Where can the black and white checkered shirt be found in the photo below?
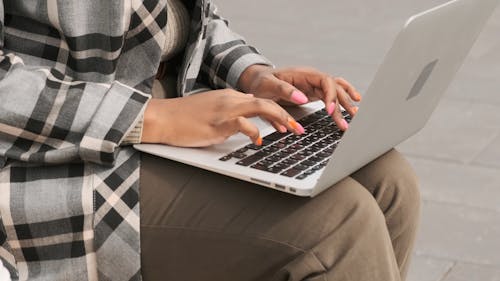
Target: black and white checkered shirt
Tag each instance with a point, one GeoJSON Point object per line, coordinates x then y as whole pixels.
{"type": "Point", "coordinates": [75, 77]}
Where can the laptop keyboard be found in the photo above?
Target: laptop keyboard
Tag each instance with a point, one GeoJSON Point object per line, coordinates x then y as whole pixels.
{"type": "Point", "coordinates": [291, 155]}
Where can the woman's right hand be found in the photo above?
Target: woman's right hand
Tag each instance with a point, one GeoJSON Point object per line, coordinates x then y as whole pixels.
{"type": "Point", "coordinates": [210, 118]}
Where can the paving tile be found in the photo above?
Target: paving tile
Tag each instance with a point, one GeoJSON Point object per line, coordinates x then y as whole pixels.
{"type": "Point", "coordinates": [459, 184]}
{"type": "Point", "coordinates": [459, 233]}
{"type": "Point", "coordinates": [428, 269]}
{"type": "Point", "coordinates": [471, 272]}
{"type": "Point", "coordinates": [458, 130]}
{"type": "Point", "coordinates": [475, 87]}
{"type": "Point", "coordinates": [478, 78]}
{"type": "Point", "coordinates": [490, 156]}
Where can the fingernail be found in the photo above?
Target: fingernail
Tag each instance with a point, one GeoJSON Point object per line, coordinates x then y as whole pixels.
{"type": "Point", "coordinates": [300, 129]}
{"type": "Point", "coordinates": [358, 97]}
{"type": "Point", "coordinates": [355, 109]}
{"type": "Point", "coordinates": [296, 126]}
{"type": "Point", "coordinates": [282, 129]}
{"type": "Point", "coordinates": [345, 124]}
{"type": "Point", "coordinates": [258, 141]}
{"type": "Point", "coordinates": [298, 97]}
{"type": "Point", "coordinates": [331, 108]}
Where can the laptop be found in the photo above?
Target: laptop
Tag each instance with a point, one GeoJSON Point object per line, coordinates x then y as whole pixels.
{"type": "Point", "coordinates": [416, 72]}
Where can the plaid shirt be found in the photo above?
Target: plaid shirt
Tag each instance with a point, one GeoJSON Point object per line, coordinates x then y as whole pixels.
{"type": "Point", "coordinates": [75, 77]}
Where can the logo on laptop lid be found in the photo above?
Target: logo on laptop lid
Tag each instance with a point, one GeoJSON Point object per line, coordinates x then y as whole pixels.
{"type": "Point", "coordinates": [422, 79]}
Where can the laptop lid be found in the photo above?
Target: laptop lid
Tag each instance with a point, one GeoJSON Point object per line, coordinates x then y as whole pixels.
{"type": "Point", "coordinates": [409, 84]}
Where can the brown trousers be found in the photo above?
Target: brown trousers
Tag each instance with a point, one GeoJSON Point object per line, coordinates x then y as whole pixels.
{"type": "Point", "coordinates": [197, 225]}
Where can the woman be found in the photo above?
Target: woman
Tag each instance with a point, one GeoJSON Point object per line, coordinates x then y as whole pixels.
{"type": "Point", "coordinates": [76, 85]}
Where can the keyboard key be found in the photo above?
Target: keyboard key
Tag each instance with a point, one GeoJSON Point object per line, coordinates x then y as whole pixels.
{"type": "Point", "coordinates": [252, 158]}
{"type": "Point", "coordinates": [325, 154]}
{"type": "Point", "coordinates": [308, 163]}
{"type": "Point", "coordinates": [290, 161]}
{"type": "Point", "coordinates": [286, 141]}
{"type": "Point", "coordinates": [316, 168]}
{"type": "Point", "coordinates": [280, 155]}
{"type": "Point", "coordinates": [306, 152]}
{"type": "Point", "coordinates": [310, 172]}
{"type": "Point", "coordinates": [274, 159]}
{"type": "Point", "coordinates": [275, 169]}
{"type": "Point", "coordinates": [298, 157]}
{"type": "Point", "coordinates": [238, 155]}
{"type": "Point", "coordinates": [296, 146]}
{"type": "Point", "coordinates": [270, 149]}
{"type": "Point", "coordinates": [304, 142]}
{"type": "Point", "coordinates": [279, 145]}
{"type": "Point", "coordinates": [315, 159]}
{"type": "Point", "coordinates": [226, 158]}
{"type": "Point", "coordinates": [288, 151]}
{"type": "Point", "coordinates": [301, 167]}
{"type": "Point", "coordinates": [275, 136]}
{"type": "Point", "coordinates": [302, 176]}
{"type": "Point", "coordinates": [266, 142]}
{"type": "Point", "coordinates": [291, 172]}
{"type": "Point", "coordinates": [259, 167]}
{"type": "Point", "coordinates": [329, 151]}
{"type": "Point", "coordinates": [265, 162]}
{"type": "Point", "coordinates": [253, 147]}
{"type": "Point", "coordinates": [282, 164]}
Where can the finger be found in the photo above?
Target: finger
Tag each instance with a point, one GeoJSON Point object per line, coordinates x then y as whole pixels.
{"type": "Point", "coordinates": [269, 110]}
{"type": "Point", "coordinates": [243, 125]}
{"type": "Point", "coordinates": [331, 107]}
{"type": "Point", "coordinates": [345, 101]}
{"type": "Point", "coordinates": [329, 92]}
{"type": "Point", "coordinates": [288, 92]}
{"type": "Point", "coordinates": [318, 80]}
{"type": "Point", "coordinates": [349, 88]}
{"type": "Point", "coordinates": [338, 118]}
{"type": "Point", "coordinates": [278, 127]}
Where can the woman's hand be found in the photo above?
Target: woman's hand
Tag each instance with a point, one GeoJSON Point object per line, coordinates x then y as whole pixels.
{"type": "Point", "coordinates": [299, 86]}
{"type": "Point", "coordinates": [210, 118]}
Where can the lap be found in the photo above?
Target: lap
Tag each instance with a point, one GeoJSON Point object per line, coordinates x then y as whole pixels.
{"type": "Point", "coordinates": [175, 195]}
{"type": "Point", "coordinates": [191, 216]}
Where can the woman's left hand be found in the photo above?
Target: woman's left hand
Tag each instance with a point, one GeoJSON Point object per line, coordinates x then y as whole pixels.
{"type": "Point", "coordinates": [301, 85]}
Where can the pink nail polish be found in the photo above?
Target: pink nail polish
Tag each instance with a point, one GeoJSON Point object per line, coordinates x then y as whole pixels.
{"type": "Point", "coordinates": [298, 97]}
{"type": "Point", "coordinates": [282, 129]}
{"type": "Point", "coordinates": [331, 108]}
{"type": "Point", "coordinates": [300, 129]}
{"type": "Point", "coordinates": [345, 124]}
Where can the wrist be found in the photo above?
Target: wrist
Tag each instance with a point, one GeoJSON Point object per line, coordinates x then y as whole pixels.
{"type": "Point", "coordinates": [249, 76]}
{"type": "Point", "coordinates": [150, 132]}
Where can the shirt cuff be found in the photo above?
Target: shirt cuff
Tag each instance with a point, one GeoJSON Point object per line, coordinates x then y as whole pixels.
{"type": "Point", "coordinates": [135, 136]}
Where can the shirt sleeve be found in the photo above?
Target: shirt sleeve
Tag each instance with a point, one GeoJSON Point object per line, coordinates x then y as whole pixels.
{"type": "Point", "coordinates": [135, 136]}
{"type": "Point", "coordinates": [227, 54]}
{"type": "Point", "coordinates": [49, 118]}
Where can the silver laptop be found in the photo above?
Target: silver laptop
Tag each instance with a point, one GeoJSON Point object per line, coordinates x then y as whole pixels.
{"type": "Point", "coordinates": [407, 88]}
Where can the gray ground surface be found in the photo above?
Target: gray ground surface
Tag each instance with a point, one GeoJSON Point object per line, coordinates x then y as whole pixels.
{"type": "Point", "coordinates": [457, 155]}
